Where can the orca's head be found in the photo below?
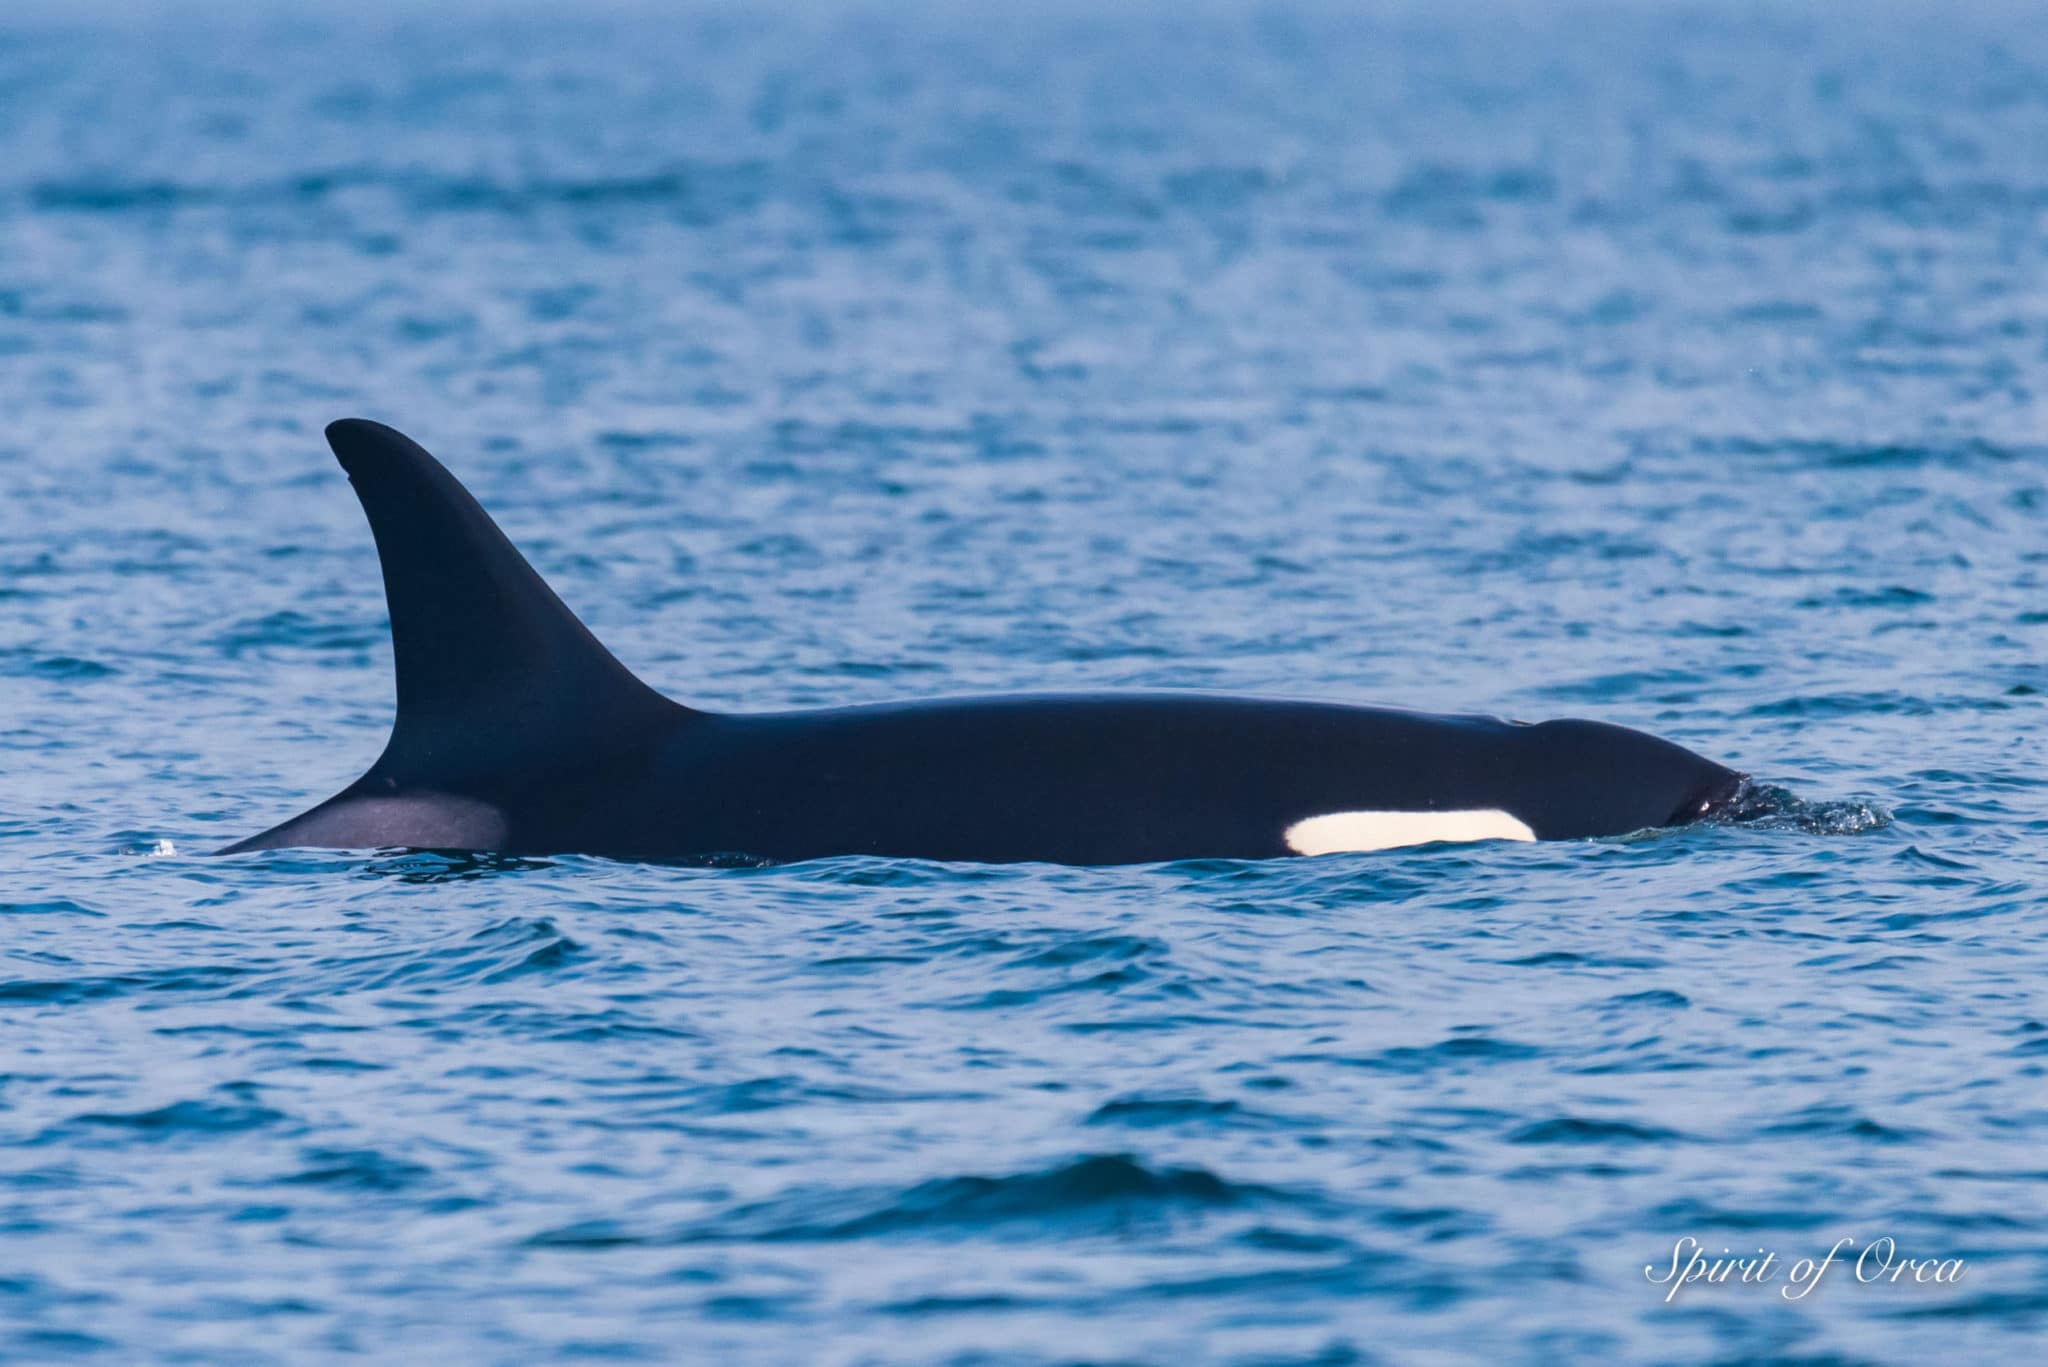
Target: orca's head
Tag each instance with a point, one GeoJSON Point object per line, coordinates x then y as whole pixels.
{"type": "Point", "coordinates": [1591, 778]}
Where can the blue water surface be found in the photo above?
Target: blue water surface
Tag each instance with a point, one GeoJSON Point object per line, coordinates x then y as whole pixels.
{"type": "Point", "coordinates": [1676, 366]}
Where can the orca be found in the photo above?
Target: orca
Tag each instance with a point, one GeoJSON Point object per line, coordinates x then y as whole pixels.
{"type": "Point", "coordinates": [518, 733]}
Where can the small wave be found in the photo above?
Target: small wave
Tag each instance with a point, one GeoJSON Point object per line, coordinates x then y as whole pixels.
{"type": "Point", "coordinates": [1456, 1053]}
{"type": "Point", "coordinates": [699, 192]}
{"type": "Point", "coordinates": [505, 951]}
{"type": "Point", "coordinates": [186, 1117]}
{"type": "Point", "coordinates": [1833, 1120]}
{"type": "Point", "coordinates": [1591, 1130]}
{"type": "Point", "coordinates": [1827, 706]}
{"type": "Point", "coordinates": [206, 978]}
{"type": "Point", "coordinates": [2020, 1306]}
{"type": "Point", "coordinates": [1691, 1212]}
{"type": "Point", "coordinates": [1150, 1112]}
{"type": "Point", "coordinates": [70, 667]}
{"type": "Point", "coordinates": [1845, 455]}
{"type": "Point", "coordinates": [1082, 949]}
{"type": "Point", "coordinates": [1098, 1190]}
{"type": "Point", "coordinates": [1769, 807]}
{"type": "Point", "coordinates": [587, 1234]}
{"type": "Point", "coordinates": [291, 630]}
{"type": "Point", "coordinates": [1867, 596]}
{"type": "Point", "coordinates": [56, 906]}
{"type": "Point", "coordinates": [357, 1170]}
{"type": "Point", "coordinates": [1656, 998]}
{"type": "Point", "coordinates": [94, 196]}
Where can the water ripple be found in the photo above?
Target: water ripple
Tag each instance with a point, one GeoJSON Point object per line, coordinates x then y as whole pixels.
{"type": "Point", "coordinates": [1677, 368]}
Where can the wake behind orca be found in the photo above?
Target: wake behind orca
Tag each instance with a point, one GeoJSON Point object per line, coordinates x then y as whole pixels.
{"type": "Point", "coordinates": [518, 733]}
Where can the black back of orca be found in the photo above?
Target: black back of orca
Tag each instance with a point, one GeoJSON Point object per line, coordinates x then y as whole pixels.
{"type": "Point", "coordinates": [517, 731]}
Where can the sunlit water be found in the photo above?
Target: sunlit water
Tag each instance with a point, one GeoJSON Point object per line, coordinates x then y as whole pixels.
{"type": "Point", "coordinates": [1674, 368]}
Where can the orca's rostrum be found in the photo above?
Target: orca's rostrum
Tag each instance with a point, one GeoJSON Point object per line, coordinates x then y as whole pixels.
{"type": "Point", "coordinates": [518, 732]}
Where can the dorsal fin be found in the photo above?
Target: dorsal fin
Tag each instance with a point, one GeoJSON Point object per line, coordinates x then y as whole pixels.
{"type": "Point", "coordinates": [489, 660]}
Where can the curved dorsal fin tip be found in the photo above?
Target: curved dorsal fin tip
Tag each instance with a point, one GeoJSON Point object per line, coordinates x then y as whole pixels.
{"type": "Point", "coordinates": [355, 441]}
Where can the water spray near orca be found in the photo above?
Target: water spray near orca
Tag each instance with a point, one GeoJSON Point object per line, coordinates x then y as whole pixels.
{"type": "Point", "coordinates": [517, 732]}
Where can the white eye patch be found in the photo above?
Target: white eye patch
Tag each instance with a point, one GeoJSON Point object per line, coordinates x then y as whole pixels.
{"type": "Point", "coordinates": [1351, 832]}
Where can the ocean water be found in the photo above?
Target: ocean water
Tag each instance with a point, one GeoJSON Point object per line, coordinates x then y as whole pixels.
{"type": "Point", "coordinates": [1675, 366]}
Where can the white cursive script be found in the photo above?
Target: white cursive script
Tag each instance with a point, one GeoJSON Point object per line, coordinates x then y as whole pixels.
{"type": "Point", "coordinates": [1878, 1261]}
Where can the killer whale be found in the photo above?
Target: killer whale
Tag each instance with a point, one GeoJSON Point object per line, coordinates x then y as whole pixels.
{"type": "Point", "coordinates": [517, 732]}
